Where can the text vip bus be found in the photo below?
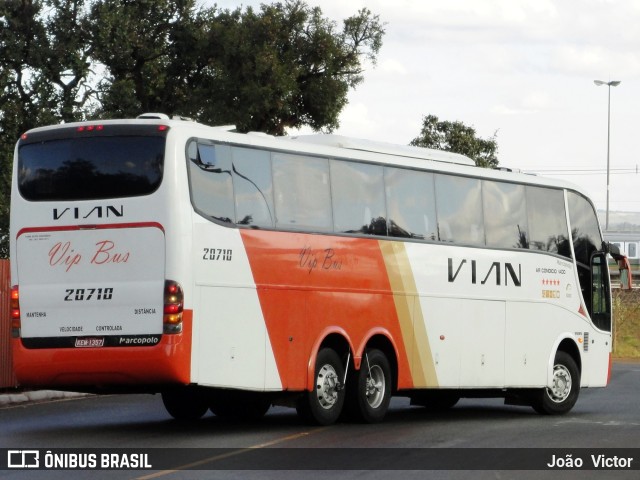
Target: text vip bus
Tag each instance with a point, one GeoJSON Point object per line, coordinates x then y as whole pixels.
{"type": "Point", "coordinates": [232, 271]}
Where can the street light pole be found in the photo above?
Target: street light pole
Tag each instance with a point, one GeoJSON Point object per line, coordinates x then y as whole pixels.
{"type": "Point", "coordinates": [613, 83]}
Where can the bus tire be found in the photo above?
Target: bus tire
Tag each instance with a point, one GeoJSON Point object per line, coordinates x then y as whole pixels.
{"type": "Point", "coordinates": [368, 400]}
{"type": "Point", "coordinates": [240, 405]}
{"type": "Point", "coordinates": [185, 404]}
{"type": "Point", "coordinates": [563, 394]}
{"type": "Point", "coordinates": [436, 401]}
{"type": "Point", "coordinates": [323, 404]}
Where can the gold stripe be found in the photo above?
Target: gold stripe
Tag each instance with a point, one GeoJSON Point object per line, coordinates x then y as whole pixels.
{"type": "Point", "coordinates": [409, 311]}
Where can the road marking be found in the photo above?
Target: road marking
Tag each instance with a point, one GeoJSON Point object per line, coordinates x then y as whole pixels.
{"type": "Point", "coordinates": [234, 453]}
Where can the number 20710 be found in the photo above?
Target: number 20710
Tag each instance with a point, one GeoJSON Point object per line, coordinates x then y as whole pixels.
{"type": "Point", "coordinates": [84, 294]}
{"type": "Point", "coordinates": [220, 254]}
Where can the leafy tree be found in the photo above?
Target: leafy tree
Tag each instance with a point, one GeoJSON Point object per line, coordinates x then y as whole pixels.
{"type": "Point", "coordinates": [67, 58]}
{"type": "Point", "coordinates": [44, 60]}
{"type": "Point", "coordinates": [44, 66]}
{"type": "Point", "coordinates": [287, 66]}
{"type": "Point", "coordinates": [283, 66]}
{"type": "Point", "coordinates": [145, 48]}
{"type": "Point", "coordinates": [459, 138]}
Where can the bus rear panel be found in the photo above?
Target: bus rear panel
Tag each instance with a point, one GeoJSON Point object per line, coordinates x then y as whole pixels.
{"type": "Point", "coordinates": [93, 306]}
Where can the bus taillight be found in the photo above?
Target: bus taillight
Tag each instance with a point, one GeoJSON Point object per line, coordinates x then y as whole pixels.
{"type": "Point", "coordinates": [15, 311]}
{"type": "Point", "coordinates": [90, 128]}
{"type": "Point", "coordinates": [173, 306]}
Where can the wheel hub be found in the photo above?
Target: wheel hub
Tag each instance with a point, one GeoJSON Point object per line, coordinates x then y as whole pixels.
{"type": "Point", "coordinates": [561, 384]}
{"type": "Point", "coordinates": [374, 388]}
{"type": "Point", "coordinates": [327, 386]}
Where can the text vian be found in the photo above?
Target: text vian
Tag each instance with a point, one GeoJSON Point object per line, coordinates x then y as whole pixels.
{"type": "Point", "coordinates": [100, 211]}
{"type": "Point", "coordinates": [496, 272]}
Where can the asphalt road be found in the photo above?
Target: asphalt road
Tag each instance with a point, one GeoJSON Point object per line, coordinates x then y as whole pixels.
{"type": "Point", "coordinates": [602, 419]}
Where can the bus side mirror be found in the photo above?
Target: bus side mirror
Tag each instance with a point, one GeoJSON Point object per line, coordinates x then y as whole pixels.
{"type": "Point", "coordinates": [625, 273]}
{"type": "Point", "coordinates": [612, 249]}
{"type": "Point", "coordinates": [626, 281]}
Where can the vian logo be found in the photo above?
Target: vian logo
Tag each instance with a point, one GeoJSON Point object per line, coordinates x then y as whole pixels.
{"type": "Point", "coordinates": [101, 211]}
{"type": "Point", "coordinates": [495, 270]}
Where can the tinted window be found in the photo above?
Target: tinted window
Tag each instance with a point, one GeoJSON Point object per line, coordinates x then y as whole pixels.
{"type": "Point", "coordinates": [459, 206]}
{"type": "Point", "coordinates": [505, 214]}
{"type": "Point", "coordinates": [584, 228]}
{"type": "Point", "coordinates": [301, 192]}
{"type": "Point", "coordinates": [358, 198]}
{"type": "Point", "coordinates": [632, 250]}
{"type": "Point", "coordinates": [547, 221]}
{"type": "Point", "coordinates": [211, 180]}
{"type": "Point", "coordinates": [411, 204]}
{"type": "Point", "coordinates": [90, 168]}
{"type": "Point", "coordinates": [253, 187]}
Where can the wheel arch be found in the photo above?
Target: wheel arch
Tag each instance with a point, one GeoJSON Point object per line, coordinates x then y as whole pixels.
{"type": "Point", "coordinates": [381, 340]}
{"type": "Point", "coordinates": [568, 345]}
{"type": "Point", "coordinates": [334, 338]}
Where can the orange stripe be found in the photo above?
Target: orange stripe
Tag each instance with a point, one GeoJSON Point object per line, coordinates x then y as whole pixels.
{"type": "Point", "coordinates": [309, 285]}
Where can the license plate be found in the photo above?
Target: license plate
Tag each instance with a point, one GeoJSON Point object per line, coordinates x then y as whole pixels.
{"type": "Point", "coordinates": [91, 342]}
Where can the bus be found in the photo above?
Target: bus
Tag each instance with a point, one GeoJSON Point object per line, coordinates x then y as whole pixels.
{"type": "Point", "coordinates": [231, 272]}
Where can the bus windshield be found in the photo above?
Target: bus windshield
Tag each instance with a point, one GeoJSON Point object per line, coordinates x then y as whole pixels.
{"type": "Point", "coordinates": [91, 167]}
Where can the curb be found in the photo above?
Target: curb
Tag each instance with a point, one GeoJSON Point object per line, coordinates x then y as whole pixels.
{"type": "Point", "coordinates": [12, 399]}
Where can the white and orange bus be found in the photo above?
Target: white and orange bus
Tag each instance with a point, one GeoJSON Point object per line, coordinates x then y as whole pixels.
{"type": "Point", "coordinates": [233, 271]}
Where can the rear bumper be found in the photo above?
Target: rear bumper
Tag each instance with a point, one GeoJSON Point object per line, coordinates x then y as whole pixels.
{"type": "Point", "coordinates": [107, 368]}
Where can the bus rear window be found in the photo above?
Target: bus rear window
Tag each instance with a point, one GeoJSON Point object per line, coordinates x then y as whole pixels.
{"type": "Point", "coordinates": [90, 168]}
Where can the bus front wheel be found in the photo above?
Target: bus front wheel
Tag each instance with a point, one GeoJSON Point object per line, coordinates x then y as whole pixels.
{"type": "Point", "coordinates": [324, 403]}
{"type": "Point", "coordinates": [562, 395]}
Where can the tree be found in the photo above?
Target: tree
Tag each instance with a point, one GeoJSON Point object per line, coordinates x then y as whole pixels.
{"type": "Point", "coordinates": [44, 67]}
{"type": "Point", "coordinates": [44, 60]}
{"type": "Point", "coordinates": [146, 48]}
{"type": "Point", "coordinates": [458, 138]}
{"type": "Point", "coordinates": [283, 66]}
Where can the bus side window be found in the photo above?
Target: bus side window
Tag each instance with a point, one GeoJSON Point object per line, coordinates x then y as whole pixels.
{"type": "Point", "coordinates": [410, 203]}
{"type": "Point", "coordinates": [358, 198]}
{"type": "Point", "coordinates": [548, 230]}
{"type": "Point", "coordinates": [302, 192]}
{"type": "Point", "coordinates": [505, 214]}
{"type": "Point", "coordinates": [459, 207]}
{"type": "Point", "coordinates": [211, 180]}
{"type": "Point", "coordinates": [253, 187]}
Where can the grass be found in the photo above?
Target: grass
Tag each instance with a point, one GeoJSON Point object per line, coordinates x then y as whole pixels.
{"type": "Point", "coordinates": [626, 318]}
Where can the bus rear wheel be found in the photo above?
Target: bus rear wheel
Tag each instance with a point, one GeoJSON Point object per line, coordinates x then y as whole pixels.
{"type": "Point", "coordinates": [562, 395]}
{"type": "Point", "coordinates": [435, 400]}
{"type": "Point", "coordinates": [185, 404]}
{"type": "Point", "coordinates": [368, 396]}
{"type": "Point", "coordinates": [323, 404]}
{"type": "Point", "coordinates": [239, 405]}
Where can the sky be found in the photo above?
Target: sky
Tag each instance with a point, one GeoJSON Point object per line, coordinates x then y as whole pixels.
{"type": "Point", "coordinates": [522, 68]}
